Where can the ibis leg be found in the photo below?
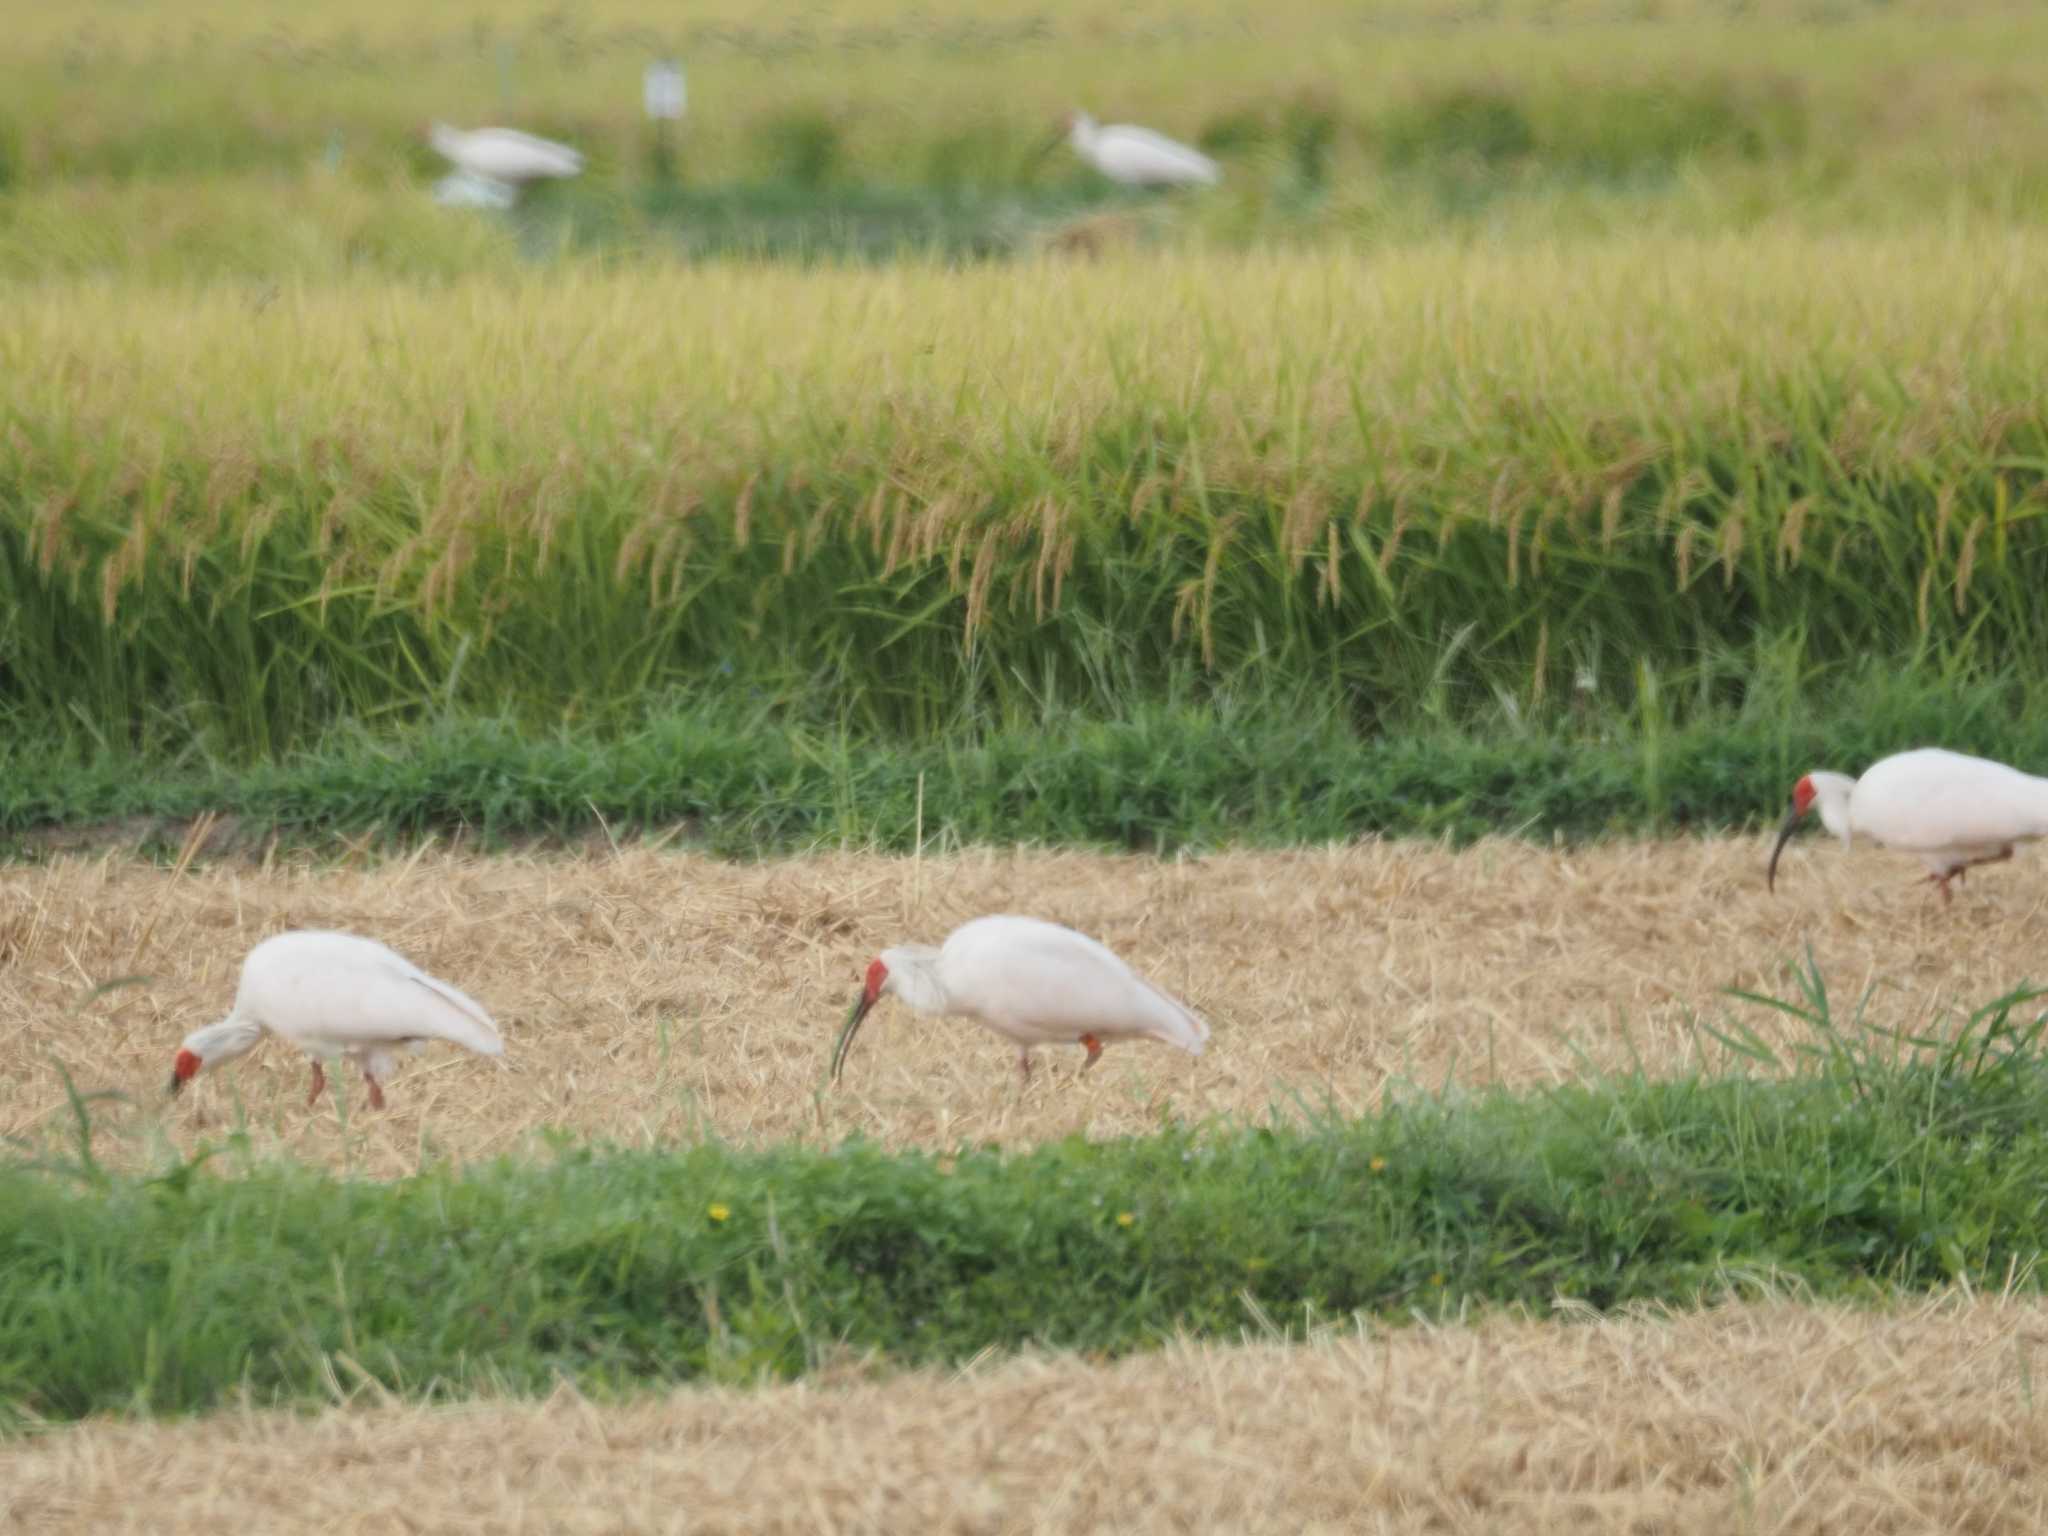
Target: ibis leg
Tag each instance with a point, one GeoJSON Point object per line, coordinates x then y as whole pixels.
{"type": "Point", "coordinates": [1024, 1064]}
{"type": "Point", "coordinates": [319, 1082]}
{"type": "Point", "coordinates": [1094, 1051]}
{"type": "Point", "coordinates": [376, 1091]}
{"type": "Point", "coordinates": [1961, 870]}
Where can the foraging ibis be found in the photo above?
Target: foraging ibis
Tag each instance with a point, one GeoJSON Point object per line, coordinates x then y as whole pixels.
{"type": "Point", "coordinates": [1035, 982]}
{"type": "Point", "coordinates": [1137, 157]}
{"type": "Point", "coordinates": [1950, 809]}
{"type": "Point", "coordinates": [502, 158]}
{"type": "Point", "coordinates": [332, 995]}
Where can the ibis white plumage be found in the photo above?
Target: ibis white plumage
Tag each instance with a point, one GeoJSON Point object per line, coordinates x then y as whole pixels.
{"type": "Point", "coordinates": [1034, 982]}
{"type": "Point", "coordinates": [1949, 809]}
{"type": "Point", "coordinates": [1138, 157]}
{"type": "Point", "coordinates": [338, 995]}
{"type": "Point", "coordinates": [503, 159]}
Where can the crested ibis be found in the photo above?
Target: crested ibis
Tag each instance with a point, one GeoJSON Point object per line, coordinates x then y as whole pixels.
{"type": "Point", "coordinates": [1034, 982]}
{"type": "Point", "coordinates": [1137, 157]}
{"type": "Point", "coordinates": [498, 158]}
{"type": "Point", "coordinates": [1950, 809]}
{"type": "Point", "coordinates": [334, 995]}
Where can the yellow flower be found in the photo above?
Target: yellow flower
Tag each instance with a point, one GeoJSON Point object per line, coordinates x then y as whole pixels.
{"type": "Point", "coordinates": [718, 1212]}
{"type": "Point", "coordinates": [1437, 1278]}
{"type": "Point", "coordinates": [1378, 1165]}
{"type": "Point", "coordinates": [1255, 1263]}
{"type": "Point", "coordinates": [1124, 1218]}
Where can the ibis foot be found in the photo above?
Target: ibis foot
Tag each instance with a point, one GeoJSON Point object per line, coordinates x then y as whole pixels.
{"type": "Point", "coordinates": [1942, 879]}
{"type": "Point", "coordinates": [319, 1082]}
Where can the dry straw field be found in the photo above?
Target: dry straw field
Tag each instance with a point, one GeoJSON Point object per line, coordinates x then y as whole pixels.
{"type": "Point", "coordinates": [1764, 1417]}
{"type": "Point", "coordinates": [648, 996]}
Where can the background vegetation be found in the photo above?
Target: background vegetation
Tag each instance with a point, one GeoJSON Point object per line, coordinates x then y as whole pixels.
{"type": "Point", "coordinates": [1380, 120]}
{"type": "Point", "coordinates": [1560, 372]}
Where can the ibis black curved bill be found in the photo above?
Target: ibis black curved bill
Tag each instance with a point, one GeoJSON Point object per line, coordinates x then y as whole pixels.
{"type": "Point", "coordinates": [177, 1082]}
{"type": "Point", "coordinates": [847, 1031]}
{"type": "Point", "coordinates": [1785, 830]}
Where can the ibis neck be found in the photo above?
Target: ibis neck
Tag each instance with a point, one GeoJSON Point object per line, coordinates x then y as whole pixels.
{"type": "Point", "coordinates": [1831, 792]}
{"type": "Point", "coordinates": [233, 1036]}
{"type": "Point", "coordinates": [914, 977]}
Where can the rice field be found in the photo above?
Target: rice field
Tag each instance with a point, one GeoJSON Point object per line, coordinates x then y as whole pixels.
{"type": "Point", "coordinates": [1566, 419]}
{"type": "Point", "coordinates": [1846, 103]}
{"type": "Point", "coordinates": [649, 999]}
{"type": "Point", "coordinates": [1431, 485]}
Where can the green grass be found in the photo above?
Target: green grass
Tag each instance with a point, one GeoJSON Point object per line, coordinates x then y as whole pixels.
{"type": "Point", "coordinates": [755, 779]}
{"type": "Point", "coordinates": [1860, 1166]}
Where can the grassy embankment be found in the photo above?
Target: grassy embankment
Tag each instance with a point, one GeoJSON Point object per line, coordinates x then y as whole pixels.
{"type": "Point", "coordinates": [1867, 1166]}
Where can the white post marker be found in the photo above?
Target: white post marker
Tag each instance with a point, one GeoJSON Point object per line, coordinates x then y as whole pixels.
{"type": "Point", "coordinates": [663, 92]}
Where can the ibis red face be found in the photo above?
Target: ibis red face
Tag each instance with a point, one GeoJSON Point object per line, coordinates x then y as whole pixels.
{"type": "Point", "coordinates": [184, 1069]}
{"type": "Point", "coordinates": [870, 993]}
{"type": "Point", "coordinates": [1802, 802]}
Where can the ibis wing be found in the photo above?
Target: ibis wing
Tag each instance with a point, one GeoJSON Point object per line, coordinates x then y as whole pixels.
{"type": "Point", "coordinates": [1050, 980]}
{"type": "Point", "coordinates": [1139, 154]}
{"type": "Point", "coordinates": [1932, 799]}
{"type": "Point", "coordinates": [391, 1004]}
{"type": "Point", "coordinates": [464, 1020]}
{"type": "Point", "coordinates": [341, 991]}
{"type": "Point", "coordinates": [511, 155]}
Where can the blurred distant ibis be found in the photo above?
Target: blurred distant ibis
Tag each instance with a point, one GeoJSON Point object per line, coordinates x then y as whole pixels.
{"type": "Point", "coordinates": [1137, 157]}
{"type": "Point", "coordinates": [498, 158]}
{"type": "Point", "coordinates": [1033, 982]}
{"type": "Point", "coordinates": [334, 995]}
{"type": "Point", "coordinates": [1949, 809]}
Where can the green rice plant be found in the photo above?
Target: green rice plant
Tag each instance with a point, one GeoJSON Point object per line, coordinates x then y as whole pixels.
{"type": "Point", "coordinates": [1437, 484]}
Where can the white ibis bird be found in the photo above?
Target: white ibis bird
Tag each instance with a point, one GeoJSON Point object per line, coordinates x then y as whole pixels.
{"type": "Point", "coordinates": [333, 995]}
{"type": "Point", "coordinates": [1138, 157]}
{"type": "Point", "coordinates": [1034, 982]}
{"type": "Point", "coordinates": [1950, 809]}
{"type": "Point", "coordinates": [500, 158]}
